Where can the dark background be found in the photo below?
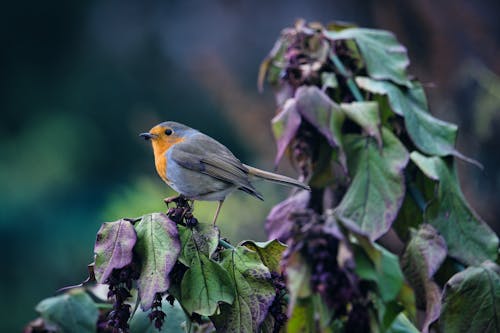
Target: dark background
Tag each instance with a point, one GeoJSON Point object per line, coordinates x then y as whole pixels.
{"type": "Point", "coordinates": [80, 79]}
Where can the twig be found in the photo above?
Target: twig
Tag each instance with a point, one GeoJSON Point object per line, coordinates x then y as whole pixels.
{"type": "Point", "coordinates": [348, 76]}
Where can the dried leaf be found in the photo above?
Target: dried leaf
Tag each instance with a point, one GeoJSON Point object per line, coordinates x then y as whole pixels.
{"type": "Point", "coordinates": [268, 64]}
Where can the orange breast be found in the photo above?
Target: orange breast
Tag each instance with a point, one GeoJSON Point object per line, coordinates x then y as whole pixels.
{"type": "Point", "coordinates": [160, 148]}
{"type": "Point", "coordinates": [161, 166]}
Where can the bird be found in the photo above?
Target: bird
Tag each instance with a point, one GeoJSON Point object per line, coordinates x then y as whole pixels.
{"type": "Point", "coordinates": [199, 167]}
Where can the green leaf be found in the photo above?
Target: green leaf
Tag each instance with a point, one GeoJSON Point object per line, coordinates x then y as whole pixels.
{"type": "Point", "coordinates": [384, 56]}
{"type": "Point", "coordinates": [400, 100]}
{"type": "Point", "coordinates": [377, 190]}
{"type": "Point", "coordinates": [386, 313]}
{"type": "Point", "coordinates": [429, 166]}
{"type": "Point", "coordinates": [329, 80]}
{"type": "Point", "coordinates": [113, 248]}
{"type": "Point", "coordinates": [423, 256]}
{"type": "Point", "coordinates": [374, 263]}
{"type": "Point", "coordinates": [471, 300]}
{"type": "Point", "coordinates": [298, 279]}
{"type": "Point", "coordinates": [366, 115]}
{"type": "Point", "coordinates": [74, 311]}
{"type": "Point", "coordinates": [204, 285]}
{"type": "Point", "coordinates": [469, 239]}
{"type": "Point", "coordinates": [174, 321]}
{"type": "Point", "coordinates": [202, 238]}
{"type": "Point", "coordinates": [301, 319]}
{"type": "Point", "coordinates": [254, 292]}
{"type": "Point", "coordinates": [324, 315]}
{"type": "Point", "coordinates": [270, 253]}
{"type": "Point", "coordinates": [402, 325]}
{"type": "Point", "coordinates": [158, 248]}
{"type": "Point", "coordinates": [431, 135]}
{"type": "Point", "coordinates": [406, 298]}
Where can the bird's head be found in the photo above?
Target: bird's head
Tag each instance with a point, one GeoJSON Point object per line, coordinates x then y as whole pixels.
{"type": "Point", "coordinates": [165, 135]}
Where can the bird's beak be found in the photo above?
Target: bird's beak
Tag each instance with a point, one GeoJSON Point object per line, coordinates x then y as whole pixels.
{"type": "Point", "coordinates": [147, 136]}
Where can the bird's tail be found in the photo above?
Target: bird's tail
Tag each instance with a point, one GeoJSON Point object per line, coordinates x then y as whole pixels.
{"type": "Point", "coordinates": [274, 177]}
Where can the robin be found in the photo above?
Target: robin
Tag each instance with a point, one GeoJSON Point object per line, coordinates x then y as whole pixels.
{"type": "Point", "coordinates": [200, 168]}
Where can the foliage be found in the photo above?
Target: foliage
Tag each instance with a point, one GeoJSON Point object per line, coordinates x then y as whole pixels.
{"type": "Point", "coordinates": [157, 257]}
{"type": "Point", "coordinates": [382, 169]}
{"type": "Point", "coordinates": [382, 172]}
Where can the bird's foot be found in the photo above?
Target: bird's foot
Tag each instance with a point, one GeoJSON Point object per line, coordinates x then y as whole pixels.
{"type": "Point", "coordinates": [183, 210]}
{"type": "Point", "coordinates": [175, 199]}
{"type": "Point", "coordinates": [180, 201]}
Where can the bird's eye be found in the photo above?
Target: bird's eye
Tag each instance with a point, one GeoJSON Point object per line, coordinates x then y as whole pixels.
{"type": "Point", "coordinates": [168, 131]}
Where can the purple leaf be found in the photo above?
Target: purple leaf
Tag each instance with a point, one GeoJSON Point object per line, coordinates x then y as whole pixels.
{"type": "Point", "coordinates": [280, 221]}
{"type": "Point", "coordinates": [285, 125]}
{"type": "Point", "coordinates": [319, 110]}
{"type": "Point", "coordinates": [113, 248]}
{"type": "Point", "coordinates": [158, 248]}
{"type": "Point", "coordinates": [422, 258]}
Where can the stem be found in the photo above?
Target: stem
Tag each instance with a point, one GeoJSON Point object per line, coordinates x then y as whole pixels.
{"type": "Point", "coordinates": [104, 306]}
{"type": "Point", "coordinates": [348, 76]}
{"type": "Point", "coordinates": [225, 244]}
{"type": "Point", "coordinates": [417, 196]}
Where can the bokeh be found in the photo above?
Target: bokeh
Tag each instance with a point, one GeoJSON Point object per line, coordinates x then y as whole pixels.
{"type": "Point", "coordinates": [80, 79]}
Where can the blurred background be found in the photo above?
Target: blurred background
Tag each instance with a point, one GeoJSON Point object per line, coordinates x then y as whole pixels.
{"type": "Point", "coordinates": [80, 79]}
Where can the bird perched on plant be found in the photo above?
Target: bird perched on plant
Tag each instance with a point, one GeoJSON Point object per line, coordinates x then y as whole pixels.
{"type": "Point", "coordinates": [200, 168]}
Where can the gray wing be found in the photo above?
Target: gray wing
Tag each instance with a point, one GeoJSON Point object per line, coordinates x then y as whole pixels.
{"type": "Point", "coordinates": [206, 155]}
